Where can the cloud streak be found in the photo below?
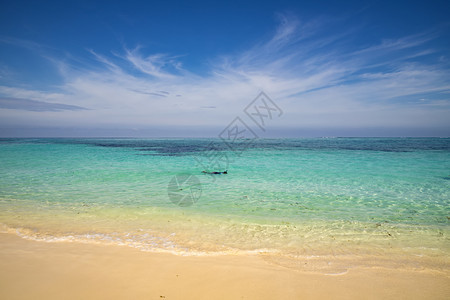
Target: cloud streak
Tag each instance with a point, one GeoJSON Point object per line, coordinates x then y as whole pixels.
{"type": "Point", "coordinates": [38, 106]}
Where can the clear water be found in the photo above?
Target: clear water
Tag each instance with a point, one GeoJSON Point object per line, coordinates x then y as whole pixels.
{"type": "Point", "coordinates": [319, 204]}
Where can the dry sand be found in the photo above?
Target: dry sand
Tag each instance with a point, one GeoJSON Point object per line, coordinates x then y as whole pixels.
{"type": "Point", "coordinates": [43, 270]}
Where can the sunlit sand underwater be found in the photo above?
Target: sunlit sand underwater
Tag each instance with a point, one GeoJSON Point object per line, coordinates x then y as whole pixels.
{"type": "Point", "coordinates": [321, 205]}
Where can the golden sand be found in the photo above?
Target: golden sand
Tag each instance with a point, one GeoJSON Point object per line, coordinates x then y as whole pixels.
{"type": "Point", "coordinates": [65, 270]}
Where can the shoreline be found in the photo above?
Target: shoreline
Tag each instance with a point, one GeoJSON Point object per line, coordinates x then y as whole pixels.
{"type": "Point", "coordinates": [34, 269]}
{"type": "Point", "coordinates": [324, 248]}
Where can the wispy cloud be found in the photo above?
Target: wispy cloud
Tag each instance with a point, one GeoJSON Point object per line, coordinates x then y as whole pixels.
{"type": "Point", "coordinates": [154, 65]}
{"type": "Point", "coordinates": [22, 43]}
{"type": "Point", "coordinates": [407, 42]}
{"type": "Point", "coordinates": [316, 77]}
{"type": "Point", "coordinates": [33, 105]}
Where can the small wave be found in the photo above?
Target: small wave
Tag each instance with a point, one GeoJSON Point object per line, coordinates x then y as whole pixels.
{"type": "Point", "coordinates": [143, 242]}
{"type": "Point", "coordinates": [337, 274]}
{"type": "Point", "coordinates": [331, 263]}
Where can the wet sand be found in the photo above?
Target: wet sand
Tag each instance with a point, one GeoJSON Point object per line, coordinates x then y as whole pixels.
{"type": "Point", "coordinates": [69, 270]}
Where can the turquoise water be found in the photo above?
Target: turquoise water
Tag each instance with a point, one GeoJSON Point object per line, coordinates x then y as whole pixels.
{"type": "Point", "coordinates": [283, 198]}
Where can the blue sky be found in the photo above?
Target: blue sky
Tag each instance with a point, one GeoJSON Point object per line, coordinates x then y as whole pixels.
{"type": "Point", "coordinates": [174, 68]}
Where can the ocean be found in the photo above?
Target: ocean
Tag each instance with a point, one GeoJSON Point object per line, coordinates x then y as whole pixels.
{"type": "Point", "coordinates": [320, 204]}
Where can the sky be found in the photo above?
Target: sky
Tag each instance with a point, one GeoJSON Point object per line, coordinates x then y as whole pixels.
{"type": "Point", "coordinates": [189, 68]}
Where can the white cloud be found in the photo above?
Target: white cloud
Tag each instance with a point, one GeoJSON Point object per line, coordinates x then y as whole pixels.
{"type": "Point", "coordinates": [308, 73]}
{"type": "Point", "coordinates": [153, 65]}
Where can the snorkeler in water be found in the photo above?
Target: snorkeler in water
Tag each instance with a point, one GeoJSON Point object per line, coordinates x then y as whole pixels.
{"type": "Point", "coordinates": [224, 172]}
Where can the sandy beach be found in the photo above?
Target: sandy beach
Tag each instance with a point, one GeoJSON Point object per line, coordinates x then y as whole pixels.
{"type": "Point", "coordinates": [43, 270]}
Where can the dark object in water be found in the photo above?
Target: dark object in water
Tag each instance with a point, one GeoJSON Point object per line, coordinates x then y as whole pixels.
{"type": "Point", "coordinates": [224, 172]}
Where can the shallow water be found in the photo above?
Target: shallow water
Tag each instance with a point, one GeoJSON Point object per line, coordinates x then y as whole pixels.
{"type": "Point", "coordinates": [351, 201]}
